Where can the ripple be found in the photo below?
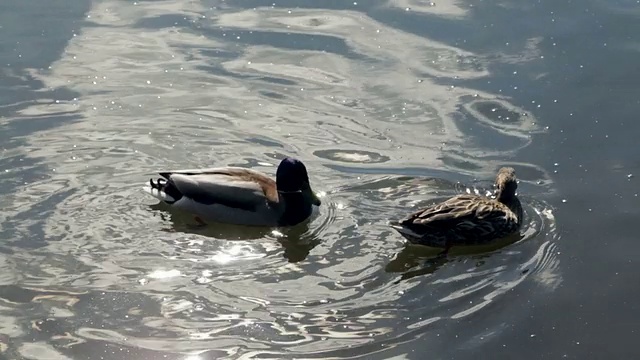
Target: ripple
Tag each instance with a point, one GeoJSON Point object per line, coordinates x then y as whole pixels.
{"type": "Point", "coordinates": [470, 279]}
{"type": "Point", "coordinates": [503, 117]}
{"type": "Point", "coordinates": [345, 281]}
{"type": "Point", "coordinates": [320, 84]}
{"type": "Point", "coordinates": [447, 8]}
{"type": "Point", "coordinates": [352, 156]}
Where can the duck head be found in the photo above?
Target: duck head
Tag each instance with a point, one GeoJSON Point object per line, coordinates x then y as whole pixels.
{"type": "Point", "coordinates": [292, 178]}
{"type": "Point", "coordinates": [506, 183]}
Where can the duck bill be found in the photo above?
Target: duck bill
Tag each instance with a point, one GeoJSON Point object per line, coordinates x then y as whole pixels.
{"type": "Point", "coordinates": [315, 200]}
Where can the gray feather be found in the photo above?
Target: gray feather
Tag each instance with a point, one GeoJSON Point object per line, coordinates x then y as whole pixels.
{"type": "Point", "coordinates": [209, 189]}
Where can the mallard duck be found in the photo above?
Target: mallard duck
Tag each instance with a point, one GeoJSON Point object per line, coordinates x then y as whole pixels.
{"type": "Point", "coordinates": [467, 219]}
{"type": "Point", "coordinates": [237, 195]}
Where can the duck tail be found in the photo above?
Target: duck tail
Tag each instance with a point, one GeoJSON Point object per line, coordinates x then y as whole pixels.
{"type": "Point", "coordinates": [409, 234]}
{"type": "Point", "coordinates": [401, 229]}
{"type": "Point", "coordinates": [163, 190]}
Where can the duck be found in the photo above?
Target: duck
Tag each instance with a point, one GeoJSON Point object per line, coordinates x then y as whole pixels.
{"type": "Point", "coordinates": [467, 219]}
{"type": "Point", "coordinates": [240, 196]}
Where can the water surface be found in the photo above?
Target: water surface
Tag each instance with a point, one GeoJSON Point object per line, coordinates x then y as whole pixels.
{"type": "Point", "coordinates": [391, 105]}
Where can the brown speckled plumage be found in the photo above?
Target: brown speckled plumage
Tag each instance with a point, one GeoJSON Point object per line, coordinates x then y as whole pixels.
{"type": "Point", "coordinates": [467, 219]}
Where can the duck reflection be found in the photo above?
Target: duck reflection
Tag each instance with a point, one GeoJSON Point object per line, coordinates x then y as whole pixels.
{"type": "Point", "coordinates": [430, 259]}
{"type": "Point", "coordinates": [297, 241]}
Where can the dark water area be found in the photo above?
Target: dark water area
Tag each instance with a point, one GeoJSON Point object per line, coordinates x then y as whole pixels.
{"type": "Point", "coordinates": [392, 105]}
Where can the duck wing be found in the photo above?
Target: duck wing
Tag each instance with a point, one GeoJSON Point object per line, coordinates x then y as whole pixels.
{"type": "Point", "coordinates": [240, 188]}
{"type": "Point", "coordinates": [462, 212]}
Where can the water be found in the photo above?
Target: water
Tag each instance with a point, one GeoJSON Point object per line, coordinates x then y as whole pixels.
{"type": "Point", "coordinates": [391, 105]}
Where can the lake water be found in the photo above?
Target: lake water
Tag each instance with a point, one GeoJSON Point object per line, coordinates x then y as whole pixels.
{"type": "Point", "coordinates": [391, 105]}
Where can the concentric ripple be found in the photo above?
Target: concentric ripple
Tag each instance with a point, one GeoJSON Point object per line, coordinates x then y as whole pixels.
{"type": "Point", "coordinates": [346, 281]}
{"type": "Point", "coordinates": [93, 268]}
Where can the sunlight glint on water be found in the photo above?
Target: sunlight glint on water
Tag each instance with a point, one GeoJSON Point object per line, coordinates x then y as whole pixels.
{"type": "Point", "coordinates": [205, 88]}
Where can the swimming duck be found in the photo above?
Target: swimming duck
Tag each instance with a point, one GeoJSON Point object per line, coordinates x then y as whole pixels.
{"type": "Point", "coordinates": [239, 196]}
{"type": "Point", "coordinates": [467, 219]}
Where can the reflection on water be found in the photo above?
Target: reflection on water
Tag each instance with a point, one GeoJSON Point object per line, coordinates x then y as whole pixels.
{"type": "Point", "coordinates": [297, 241]}
{"type": "Point", "coordinates": [89, 262]}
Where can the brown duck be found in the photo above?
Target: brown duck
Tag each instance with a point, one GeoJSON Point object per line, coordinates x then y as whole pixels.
{"type": "Point", "coordinates": [467, 219]}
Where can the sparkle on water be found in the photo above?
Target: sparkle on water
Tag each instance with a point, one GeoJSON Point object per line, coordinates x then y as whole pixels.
{"type": "Point", "coordinates": [380, 116]}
